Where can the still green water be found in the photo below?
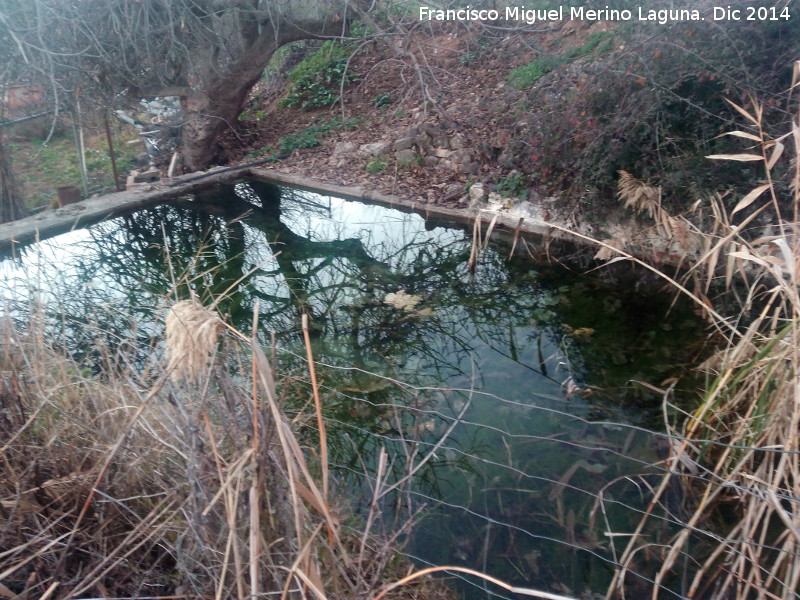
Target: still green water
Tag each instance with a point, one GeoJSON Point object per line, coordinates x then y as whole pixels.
{"type": "Point", "coordinates": [516, 386]}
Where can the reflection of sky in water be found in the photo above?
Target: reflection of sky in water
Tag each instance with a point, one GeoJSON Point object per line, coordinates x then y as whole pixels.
{"type": "Point", "coordinates": [395, 238]}
{"type": "Point", "coordinates": [35, 266]}
{"type": "Point", "coordinates": [383, 230]}
{"type": "Point", "coordinates": [62, 277]}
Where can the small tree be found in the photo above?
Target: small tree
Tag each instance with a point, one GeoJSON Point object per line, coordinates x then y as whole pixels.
{"type": "Point", "coordinates": [210, 53]}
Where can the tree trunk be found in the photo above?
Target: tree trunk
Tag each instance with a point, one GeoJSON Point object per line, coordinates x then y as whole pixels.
{"type": "Point", "coordinates": [11, 207]}
{"type": "Point", "coordinates": [209, 112]}
{"type": "Point", "coordinates": [217, 100]}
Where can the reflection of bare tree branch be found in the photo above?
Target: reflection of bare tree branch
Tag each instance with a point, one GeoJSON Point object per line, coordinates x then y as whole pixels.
{"type": "Point", "coordinates": [290, 247]}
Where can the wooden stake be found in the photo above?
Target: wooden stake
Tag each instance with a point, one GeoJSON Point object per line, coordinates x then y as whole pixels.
{"type": "Point", "coordinates": [111, 155]}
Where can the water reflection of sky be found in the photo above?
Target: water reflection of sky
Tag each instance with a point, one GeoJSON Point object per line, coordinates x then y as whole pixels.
{"type": "Point", "coordinates": [35, 265]}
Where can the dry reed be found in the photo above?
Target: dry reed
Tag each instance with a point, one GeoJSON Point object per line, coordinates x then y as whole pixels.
{"type": "Point", "coordinates": [744, 434]}
{"type": "Point", "coordinates": [114, 485]}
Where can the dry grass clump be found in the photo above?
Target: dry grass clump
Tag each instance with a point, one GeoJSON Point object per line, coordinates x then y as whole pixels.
{"type": "Point", "coordinates": [671, 236]}
{"type": "Point", "coordinates": [125, 484]}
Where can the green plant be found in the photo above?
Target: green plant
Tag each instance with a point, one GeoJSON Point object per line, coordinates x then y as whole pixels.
{"type": "Point", "coordinates": [317, 80]}
{"type": "Point", "coordinates": [526, 75]}
{"type": "Point", "coordinates": [359, 29]}
{"type": "Point", "coordinates": [256, 153]}
{"type": "Point", "coordinates": [469, 57]}
{"type": "Point", "coordinates": [375, 166]}
{"type": "Point", "coordinates": [599, 42]}
{"type": "Point", "coordinates": [383, 100]}
{"type": "Point", "coordinates": [512, 184]}
{"type": "Point", "coordinates": [409, 162]}
{"type": "Point", "coordinates": [306, 138]}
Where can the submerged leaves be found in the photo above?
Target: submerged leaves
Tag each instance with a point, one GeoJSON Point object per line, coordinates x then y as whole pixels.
{"type": "Point", "coordinates": [402, 300]}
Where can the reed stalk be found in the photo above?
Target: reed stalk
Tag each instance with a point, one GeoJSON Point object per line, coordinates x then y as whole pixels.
{"type": "Point", "coordinates": [744, 433]}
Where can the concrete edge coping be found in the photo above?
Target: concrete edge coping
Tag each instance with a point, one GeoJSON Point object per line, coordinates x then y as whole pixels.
{"type": "Point", "coordinates": [92, 210]}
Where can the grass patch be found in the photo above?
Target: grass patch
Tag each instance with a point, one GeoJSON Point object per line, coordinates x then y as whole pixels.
{"type": "Point", "coordinates": [525, 76]}
{"type": "Point", "coordinates": [42, 168]}
{"type": "Point", "coordinates": [310, 137]}
{"type": "Point", "coordinates": [598, 43]}
{"type": "Point", "coordinates": [375, 166]}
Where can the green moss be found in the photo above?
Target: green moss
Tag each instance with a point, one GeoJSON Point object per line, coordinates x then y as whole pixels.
{"type": "Point", "coordinates": [525, 76]}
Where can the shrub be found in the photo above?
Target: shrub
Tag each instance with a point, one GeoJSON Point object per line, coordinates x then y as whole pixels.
{"type": "Point", "coordinates": [375, 166]}
{"type": "Point", "coordinates": [657, 110]}
{"type": "Point", "coordinates": [512, 184]}
{"type": "Point", "coordinates": [316, 81]}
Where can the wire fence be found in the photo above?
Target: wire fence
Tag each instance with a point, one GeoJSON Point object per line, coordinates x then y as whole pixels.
{"type": "Point", "coordinates": [551, 511]}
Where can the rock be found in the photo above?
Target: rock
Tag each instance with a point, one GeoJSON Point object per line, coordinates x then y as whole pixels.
{"type": "Point", "coordinates": [477, 193]}
{"type": "Point", "coordinates": [525, 209]}
{"type": "Point", "coordinates": [423, 140]}
{"type": "Point", "coordinates": [343, 148]}
{"type": "Point", "coordinates": [442, 152]}
{"type": "Point", "coordinates": [441, 141]}
{"type": "Point", "coordinates": [406, 157]}
{"type": "Point", "coordinates": [404, 143]}
{"type": "Point", "coordinates": [430, 129]}
{"type": "Point", "coordinates": [430, 161]}
{"type": "Point", "coordinates": [453, 190]}
{"type": "Point", "coordinates": [374, 149]}
{"type": "Point", "coordinates": [470, 168]}
{"type": "Point", "coordinates": [496, 202]}
{"type": "Point", "coordinates": [456, 143]}
{"type": "Point", "coordinates": [462, 156]}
